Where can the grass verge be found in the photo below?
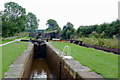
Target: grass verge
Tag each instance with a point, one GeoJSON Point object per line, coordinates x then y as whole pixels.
{"type": "Point", "coordinates": [103, 63]}
{"type": "Point", "coordinates": [105, 42]}
{"type": "Point", "coordinates": [0, 63]}
{"type": "Point", "coordinates": [8, 40]}
{"type": "Point", "coordinates": [10, 53]}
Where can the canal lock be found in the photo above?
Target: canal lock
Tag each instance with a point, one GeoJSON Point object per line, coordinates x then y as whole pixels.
{"type": "Point", "coordinates": [45, 62]}
{"type": "Point", "coordinates": [40, 68]}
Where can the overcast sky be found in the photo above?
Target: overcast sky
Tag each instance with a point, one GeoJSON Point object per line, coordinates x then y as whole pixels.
{"type": "Point", "coordinates": [78, 12]}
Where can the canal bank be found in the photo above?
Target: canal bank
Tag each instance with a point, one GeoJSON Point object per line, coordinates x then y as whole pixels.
{"type": "Point", "coordinates": [45, 61]}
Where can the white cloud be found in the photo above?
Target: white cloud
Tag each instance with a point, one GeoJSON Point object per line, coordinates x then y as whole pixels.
{"type": "Point", "coordinates": [78, 12]}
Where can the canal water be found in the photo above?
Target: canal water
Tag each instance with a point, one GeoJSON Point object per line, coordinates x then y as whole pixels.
{"type": "Point", "coordinates": [40, 69]}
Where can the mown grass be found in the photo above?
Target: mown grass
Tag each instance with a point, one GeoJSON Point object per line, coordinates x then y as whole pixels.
{"type": "Point", "coordinates": [8, 40]}
{"type": "Point", "coordinates": [112, 43]}
{"type": "Point", "coordinates": [10, 52]}
{"type": "Point", "coordinates": [0, 63]}
{"type": "Point", "coordinates": [101, 62]}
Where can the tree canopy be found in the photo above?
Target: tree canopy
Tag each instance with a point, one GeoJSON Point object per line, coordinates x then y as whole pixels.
{"type": "Point", "coordinates": [32, 22]}
{"type": "Point", "coordinates": [52, 25]}
{"type": "Point", "coordinates": [109, 29]}
{"type": "Point", "coordinates": [67, 31]}
{"type": "Point", "coordinates": [15, 20]}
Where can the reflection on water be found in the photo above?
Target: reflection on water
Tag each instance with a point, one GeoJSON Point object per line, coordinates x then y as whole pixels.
{"type": "Point", "coordinates": [40, 70]}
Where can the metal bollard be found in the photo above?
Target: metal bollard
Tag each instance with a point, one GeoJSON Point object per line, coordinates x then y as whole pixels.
{"type": "Point", "coordinates": [80, 43]}
{"type": "Point", "coordinates": [47, 40]}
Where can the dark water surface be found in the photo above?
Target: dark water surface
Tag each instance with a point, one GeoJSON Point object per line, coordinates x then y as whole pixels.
{"type": "Point", "coordinates": [40, 69]}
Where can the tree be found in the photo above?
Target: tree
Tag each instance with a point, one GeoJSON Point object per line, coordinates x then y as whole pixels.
{"type": "Point", "coordinates": [32, 22]}
{"type": "Point", "coordinates": [67, 31]}
{"type": "Point", "coordinates": [84, 30]}
{"type": "Point", "coordinates": [109, 29]}
{"type": "Point", "coordinates": [13, 19]}
{"type": "Point", "coordinates": [0, 23]}
{"type": "Point", "coordinates": [52, 25]}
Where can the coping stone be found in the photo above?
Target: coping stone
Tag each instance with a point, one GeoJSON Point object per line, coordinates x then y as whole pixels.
{"type": "Point", "coordinates": [89, 75]}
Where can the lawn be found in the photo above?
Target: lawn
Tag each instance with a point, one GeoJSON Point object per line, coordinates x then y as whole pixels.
{"type": "Point", "coordinates": [0, 63]}
{"type": "Point", "coordinates": [10, 53]}
{"type": "Point", "coordinates": [101, 62]}
{"type": "Point", "coordinates": [8, 40]}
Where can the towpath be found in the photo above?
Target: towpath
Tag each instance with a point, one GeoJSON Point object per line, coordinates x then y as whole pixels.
{"type": "Point", "coordinates": [11, 41]}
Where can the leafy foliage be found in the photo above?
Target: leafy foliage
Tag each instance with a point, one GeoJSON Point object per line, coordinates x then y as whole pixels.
{"type": "Point", "coordinates": [15, 20]}
{"type": "Point", "coordinates": [52, 25]}
{"type": "Point", "coordinates": [68, 31]}
{"type": "Point", "coordinates": [106, 30]}
{"type": "Point", "coordinates": [32, 22]}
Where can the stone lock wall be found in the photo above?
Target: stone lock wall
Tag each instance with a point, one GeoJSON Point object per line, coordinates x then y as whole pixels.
{"type": "Point", "coordinates": [53, 61]}
{"type": "Point", "coordinates": [70, 68]}
{"type": "Point", "coordinates": [28, 63]}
